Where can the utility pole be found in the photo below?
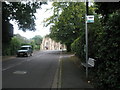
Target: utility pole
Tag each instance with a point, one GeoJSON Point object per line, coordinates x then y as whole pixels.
{"type": "Point", "coordinates": [86, 37]}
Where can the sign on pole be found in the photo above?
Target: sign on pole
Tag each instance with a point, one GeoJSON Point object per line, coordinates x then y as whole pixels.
{"type": "Point", "coordinates": [90, 19]}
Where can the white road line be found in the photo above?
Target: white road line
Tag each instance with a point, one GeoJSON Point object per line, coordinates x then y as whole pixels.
{"type": "Point", "coordinates": [57, 77]}
{"type": "Point", "coordinates": [60, 71]}
{"type": "Point", "coordinates": [12, 66]}
{"type": "Point", "coordinates": [27, 59]}
{"type": "Point", "coordinates": [55, 80]}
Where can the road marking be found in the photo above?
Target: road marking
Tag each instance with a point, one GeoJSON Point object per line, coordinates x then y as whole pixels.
{"type": "Point", "coordinates": [27, 59]}
{"type": "Point", "coordinates": [55, 80]}
{"type": "Point", "coordinates": [60, 71]}
{"type": "Point", "coordinates": [20, 72]}
{"type": "Point", "coordinates": [12, 66]}
{"type": "Point", "coordinates": [58, 74]}
{"type": "Point", "coordinates": [17, 64]}
{"type": "Point", "coordinates": [66, 56]}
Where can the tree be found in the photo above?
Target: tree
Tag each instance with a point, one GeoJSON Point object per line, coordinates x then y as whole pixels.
{"type": "Point", "coordinates": [37, 40]}
{"type": "Point", "coordinates": [11, 47]}
{"type": "Point", "coordinates": [22, 39]}
{"type": "Point", "coordinates": [68, 24]}
{"type": "Point", "coordinates": [22, 13]}
{"type": "Point", "coordinates": [106, 8]}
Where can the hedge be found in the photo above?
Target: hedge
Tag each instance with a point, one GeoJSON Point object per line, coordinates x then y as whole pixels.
{"type": "Point", "coordinates": [104, 46]}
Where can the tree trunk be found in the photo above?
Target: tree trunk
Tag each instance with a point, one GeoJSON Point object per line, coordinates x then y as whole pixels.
{"type": "Point", "coordinates": [68, 47]}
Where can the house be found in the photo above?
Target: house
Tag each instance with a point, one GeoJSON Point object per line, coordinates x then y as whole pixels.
{"type": "Point", "coordinates": [49, 44]}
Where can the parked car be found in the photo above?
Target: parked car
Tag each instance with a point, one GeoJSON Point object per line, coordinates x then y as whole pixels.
{"type": "Point", "coordinates": [25, 50]}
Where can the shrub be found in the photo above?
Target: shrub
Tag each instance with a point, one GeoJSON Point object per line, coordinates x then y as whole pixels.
{"type": "Point", "coordinates": [108, 68]}
{"type": "Point", "coordinates": [104, 46]}
{"type": "Point", "coordinates": [11, 47]}
{"type": "Point", "coordinates": [78, 47]}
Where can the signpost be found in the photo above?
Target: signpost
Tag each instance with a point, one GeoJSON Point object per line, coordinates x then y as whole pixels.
{"type": "Point", "coordinates": [90, 18]}
{"type": "Point", "coordinates": [86, 38]}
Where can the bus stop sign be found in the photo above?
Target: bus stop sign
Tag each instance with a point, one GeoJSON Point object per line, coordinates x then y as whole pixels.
{"type": "Point", "coordinates": [90, 19]}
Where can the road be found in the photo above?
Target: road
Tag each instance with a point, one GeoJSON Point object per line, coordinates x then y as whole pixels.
{"type": "Point", "coordinates": [37, 71]}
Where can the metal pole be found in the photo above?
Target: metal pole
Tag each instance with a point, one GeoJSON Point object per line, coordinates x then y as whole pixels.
{"type": "Point", "coordinates": [86, 37]}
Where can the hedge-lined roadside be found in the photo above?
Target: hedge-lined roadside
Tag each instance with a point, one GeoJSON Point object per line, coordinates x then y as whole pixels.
{"type": "Point", "coordinates": [104, 46]}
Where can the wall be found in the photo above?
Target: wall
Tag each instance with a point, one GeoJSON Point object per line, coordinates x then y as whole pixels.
{"type": "Point", "coordinates": [49, 44]}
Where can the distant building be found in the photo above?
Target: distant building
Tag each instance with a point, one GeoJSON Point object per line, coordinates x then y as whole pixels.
{"type": "Point", "coordinates": [49, 44]}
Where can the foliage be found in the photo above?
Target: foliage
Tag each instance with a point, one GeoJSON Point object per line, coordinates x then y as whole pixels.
{"type": "Point", "coordinates": [108, 69]}
{"type": "Point", "coordinates": [68, 23]}
{"type": "Point", "coordinates": [11, 47]}
{"type": "Point", "coordinates": [23, 13]}
{"type": "Point", "coordinates": [14, 45]}
{"type": "Point", "coordinates": [103, 42]}
{"type": "Point", "coordinates": [78, 47]}
{"type": "Point", "coordinates": [36, 41]}
{"type": "Point", "coordinates": [22, 39]}
{"type": "Point", "coordinates": [106, 8]}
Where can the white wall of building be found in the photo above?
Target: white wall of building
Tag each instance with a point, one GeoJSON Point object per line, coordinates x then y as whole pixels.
{"type": "Point", "coordinates": [49, 44]}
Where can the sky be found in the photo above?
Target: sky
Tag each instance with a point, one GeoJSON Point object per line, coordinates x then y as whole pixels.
{"type": "Point", "coordinates": [40, 29]}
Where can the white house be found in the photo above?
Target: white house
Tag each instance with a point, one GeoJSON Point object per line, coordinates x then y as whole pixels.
{"type": "Point", "coordinates": [49, 44]}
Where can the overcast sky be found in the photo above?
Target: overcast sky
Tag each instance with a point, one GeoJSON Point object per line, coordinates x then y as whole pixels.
{"type": "Point", "coordinates": [40, 29]}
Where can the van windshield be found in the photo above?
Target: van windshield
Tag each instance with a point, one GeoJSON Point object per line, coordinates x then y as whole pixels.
{"type": "Point", "coordinates": [24, 48]}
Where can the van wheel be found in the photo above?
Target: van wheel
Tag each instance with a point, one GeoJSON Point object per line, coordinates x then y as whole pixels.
{"type": "Point", "coordinates": [18, 55]}
{"type": "Point", "coordinates": [27, 54]}
{"type": "Point", "coordinates": [31, 54]}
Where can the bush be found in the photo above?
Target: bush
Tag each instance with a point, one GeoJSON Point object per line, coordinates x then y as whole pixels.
{"type": "Point", "coordinates": [108, 68]}
{"type": "Point", "coordinates": [11, 47]}
{"type": "Point", "coordinates": [104, 46]}
{"type": "Point", "coordinates": [14, 45]}
{"type": "Point", "coordinates": [78, 47]}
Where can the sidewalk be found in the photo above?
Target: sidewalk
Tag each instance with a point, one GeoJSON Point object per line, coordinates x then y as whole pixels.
{"type": "Point", "coordinates": [4, 58]}
{"type": "Point", "coordinates": [72, 76]}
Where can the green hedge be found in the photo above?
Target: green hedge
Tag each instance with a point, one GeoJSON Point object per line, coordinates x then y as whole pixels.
{"type": "Point", "coordinates": [108, 45]}
{"type": "Point", "coordinates": [11, 47]}
{"type": "Point", "coordinates": [78, 47]}
{"type": "Point", "coordinates": [104, 46]}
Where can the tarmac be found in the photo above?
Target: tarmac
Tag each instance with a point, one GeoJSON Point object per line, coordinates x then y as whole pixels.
{"type": "Point", "coordinates": [73, 74]}
{"type": "Point", "coordinates": [70, 74]}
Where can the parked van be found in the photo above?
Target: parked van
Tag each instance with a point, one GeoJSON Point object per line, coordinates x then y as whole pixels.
{"type": "Point", "coordinates": [25, 50]}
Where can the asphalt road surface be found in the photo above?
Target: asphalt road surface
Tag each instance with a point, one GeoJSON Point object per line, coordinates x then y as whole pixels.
{"type": "Point", "coordinates": [37, 71]}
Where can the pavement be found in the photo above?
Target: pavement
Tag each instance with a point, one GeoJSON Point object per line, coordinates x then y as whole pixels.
{"type": "Point", "coordinates": [4, 58]}
{"type": "Point", "coordinates": [72, 74]}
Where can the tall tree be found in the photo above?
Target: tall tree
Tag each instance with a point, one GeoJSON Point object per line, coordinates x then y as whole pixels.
{"type": "Point", "coordinates": [22, 13]}
{"type": "Point", "coordinates": [37, 39]}
{"type": "Point", "coordinates": [68, 23]}
{"type": "Point", "coordinates": [106, 8]}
